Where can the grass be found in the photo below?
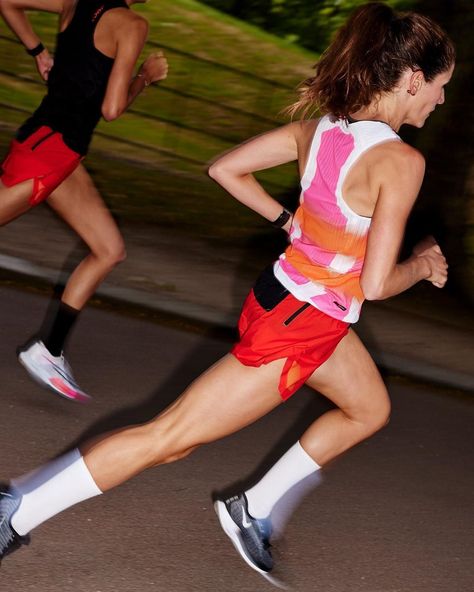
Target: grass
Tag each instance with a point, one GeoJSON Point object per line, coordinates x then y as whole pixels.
{"type": "Point", "coordinates": [161, 179]}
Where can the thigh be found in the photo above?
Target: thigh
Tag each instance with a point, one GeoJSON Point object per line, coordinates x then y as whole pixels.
{"type": "Point", "coordinates": [350, 378]}
{"type": "Point", "coordinates": [14, 200]}
{"type": "Point", "coordinates": [223, 400]}
{"type": "Point", "coordinates": [79, 204]}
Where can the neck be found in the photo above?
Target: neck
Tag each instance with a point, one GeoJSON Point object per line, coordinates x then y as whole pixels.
{"type": "Point", "coordinates": [382, 111]}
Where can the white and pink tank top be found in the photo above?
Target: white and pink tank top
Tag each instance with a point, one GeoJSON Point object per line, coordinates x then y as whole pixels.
{"type": "Point", "coordinates": [328, 240]}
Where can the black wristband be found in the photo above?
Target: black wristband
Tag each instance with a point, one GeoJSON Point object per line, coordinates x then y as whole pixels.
{"type": "Point", "coordinates": [282, 219]}
{"type": "Point", "coordinates": [36, 50]}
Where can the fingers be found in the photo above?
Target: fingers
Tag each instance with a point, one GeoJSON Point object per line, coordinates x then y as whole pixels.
{"type": "Point", "coordinates": [157, 55]}
{"type": "Point", "coordinates": [156, 66]}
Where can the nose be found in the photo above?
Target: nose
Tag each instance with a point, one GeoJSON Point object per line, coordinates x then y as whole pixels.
{"type": "Point", "coordinates": [441, 97]}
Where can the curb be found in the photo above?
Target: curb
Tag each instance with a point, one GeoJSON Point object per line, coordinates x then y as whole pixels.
{"type": "Point", "coordinates": [393, 362]}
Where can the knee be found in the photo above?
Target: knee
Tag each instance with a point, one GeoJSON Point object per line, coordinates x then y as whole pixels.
{"type": "Point", "coordinates": [374, 416]}
{"type": "Point", "coordinates": [177, 454]}
{"type": "Point", "coordinates": [378, 416]}
{"type": "Point", "coordinates": [166, 444]}
{"type": "Point", "coordinates": [112, 254]}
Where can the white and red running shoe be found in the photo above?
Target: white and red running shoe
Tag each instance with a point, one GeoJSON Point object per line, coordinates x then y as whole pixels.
{"type": "Point", "coordinates": [52, 372]}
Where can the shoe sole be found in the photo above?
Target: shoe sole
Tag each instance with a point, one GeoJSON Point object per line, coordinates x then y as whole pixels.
{"type": "Point", "coordinates": [27, 365]}
{"type": "Point", "coordinates": [233, 532]}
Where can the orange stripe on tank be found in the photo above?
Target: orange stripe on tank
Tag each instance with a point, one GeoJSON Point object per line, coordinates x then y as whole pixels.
{"type": "Point", "coordinates": [330, 237]}
{"type": "Point", "coordinates": [347, 283]}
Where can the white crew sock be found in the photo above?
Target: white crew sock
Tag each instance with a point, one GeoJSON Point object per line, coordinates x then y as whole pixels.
{"type": "Point", "coordinates": [294, 468]}
{"type": "Point", "coordinates": [51, 489]}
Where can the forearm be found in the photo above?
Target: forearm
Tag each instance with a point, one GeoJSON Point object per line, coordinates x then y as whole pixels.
{"type": "Point", "coordinates": [18, 22]}
{"type": "Point", "coordinates": [111, 110]}
{"type": "Point", "coordinates": [247, 190]}
{"type": "Point", "coordinates": [137, 85]}
{"type": "Point", "coordinates": [404, 275]}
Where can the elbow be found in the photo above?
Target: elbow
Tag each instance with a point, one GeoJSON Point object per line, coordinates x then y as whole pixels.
{"type": "Point", "coordinates": [112, 111]}
{"type": "Point", "coordinates": [372, 290]}
{"type": "Point", "coordinates": [109, 114]}
{"type": "Point", "coordinates": [224, 173]}
{"type": "Point", "coordinates": [215, 171]}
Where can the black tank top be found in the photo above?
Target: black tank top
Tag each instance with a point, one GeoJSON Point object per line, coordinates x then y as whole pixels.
{"type": "Point", "coordinates": [78, 80]}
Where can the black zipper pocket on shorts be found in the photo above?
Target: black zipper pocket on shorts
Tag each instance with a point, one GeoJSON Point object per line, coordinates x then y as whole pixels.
{"type": "Point", "coordinates": [41, 140]}
{"type": "Point", "coordinates": [297, 312]}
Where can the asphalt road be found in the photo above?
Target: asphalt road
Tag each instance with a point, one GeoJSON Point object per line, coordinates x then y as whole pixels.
{"type": "Point", "coordinates": [393, 515]}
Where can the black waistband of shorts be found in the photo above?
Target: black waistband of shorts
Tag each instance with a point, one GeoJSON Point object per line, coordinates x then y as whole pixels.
{"type": "Point", "coordinates": [268, 291]}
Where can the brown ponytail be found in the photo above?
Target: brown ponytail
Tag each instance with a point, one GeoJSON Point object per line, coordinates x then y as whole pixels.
{"type": "Point", "coordinates": [368, 56]}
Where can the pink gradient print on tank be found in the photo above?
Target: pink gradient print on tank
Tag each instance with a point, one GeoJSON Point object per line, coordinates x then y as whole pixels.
{"type": "Point", "coordinates": [323, 262]}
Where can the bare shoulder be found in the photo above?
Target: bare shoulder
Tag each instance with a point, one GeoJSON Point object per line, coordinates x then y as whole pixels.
{"type": "Point", "coordinates": [303, 131]}
{"type": "Point", "coordinates": [127, 24]}
{"type": "Point", "coordinates": [69, 5]}
{"type": "Point", "coordinates": [395, 162]}
{"type": "Point", "coordinates": [399, 154]}
{"type": "Point", "coordinates": [304, 134]}
{"type": "Point", "coordinates": [305, 128]}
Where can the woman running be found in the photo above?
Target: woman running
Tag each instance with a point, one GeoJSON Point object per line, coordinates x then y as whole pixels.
{"type": "Point", "coordinates": [359, 182]}
{"type": "Point", "coordinates": [91, 76]}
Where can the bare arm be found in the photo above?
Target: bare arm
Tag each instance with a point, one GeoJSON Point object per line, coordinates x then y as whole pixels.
{"type": "Point", "coordinates": [122, 89]}
{"type": "Point", "coordinates": [234, 170]}
{"type": "Point", "coordinates": [14, 14]}
{"type": "Point", "coordinates": [382, 275]}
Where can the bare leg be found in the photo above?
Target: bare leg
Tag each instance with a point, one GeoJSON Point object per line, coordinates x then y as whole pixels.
{"type": "Point", "coordinates": [14, 201]}
{"type": "Point", "coordinates": [226, 398]}
{"type": "Point", "coordinates": [229, 396]}
{"type": "Point", "coordinates": [351, 380]}
{"type": "Point", "coordinates": [77, 201]}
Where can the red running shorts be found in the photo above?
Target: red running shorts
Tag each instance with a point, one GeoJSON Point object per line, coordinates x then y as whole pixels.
{"type": "Point", "coordinates": [43, 157]}
{"type": "Point", "coordinates": [294, 330]}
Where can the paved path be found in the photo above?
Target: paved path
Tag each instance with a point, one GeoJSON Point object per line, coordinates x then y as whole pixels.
{"type": "Point", "coordinates": [393, 515]}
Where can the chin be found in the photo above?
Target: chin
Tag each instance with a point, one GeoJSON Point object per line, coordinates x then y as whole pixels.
{"type": "Point", "coordinates": [419, 123]}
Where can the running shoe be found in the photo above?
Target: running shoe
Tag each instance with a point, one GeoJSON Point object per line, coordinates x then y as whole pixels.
{"type": "Point", "coordinates": [250, 536]}
{"type": "Point", "coordinates": [51, 371]}
{"type": "Point", "coordinates": [10, 540]}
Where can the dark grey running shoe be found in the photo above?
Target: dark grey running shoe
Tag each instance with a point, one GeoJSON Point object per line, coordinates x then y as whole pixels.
{"type": "Point", "coordinates": [10, 541]}
{"type": "Point", "coordinates": [250, 536]}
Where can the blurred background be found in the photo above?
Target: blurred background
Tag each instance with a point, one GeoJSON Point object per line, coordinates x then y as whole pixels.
{"type": "Point", "coordinates": [234, 65]}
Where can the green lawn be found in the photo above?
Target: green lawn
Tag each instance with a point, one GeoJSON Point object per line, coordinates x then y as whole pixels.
{"type": "Point", "coordinates": [151, 168]}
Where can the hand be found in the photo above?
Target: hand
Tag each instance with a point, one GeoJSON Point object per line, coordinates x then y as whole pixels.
{"type": "Point", "coordinates": [430, 250]}
{"type": "Point", "coordinates": [424, 244]}
{"type": "Point", "coordinates": [154, 68]}
{"type": "Point", "coordinates": [44, 63]}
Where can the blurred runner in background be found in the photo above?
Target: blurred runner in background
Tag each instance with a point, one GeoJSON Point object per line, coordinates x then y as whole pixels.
{"type": "Point", "coordinates": [91, 76]}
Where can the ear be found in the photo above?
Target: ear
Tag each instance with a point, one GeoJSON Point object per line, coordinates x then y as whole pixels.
{"type": "Point", "coordinates": [415, 81]}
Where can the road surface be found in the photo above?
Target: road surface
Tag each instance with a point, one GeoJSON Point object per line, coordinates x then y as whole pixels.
{"type": "Point", "coordinates": [392, 515]}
